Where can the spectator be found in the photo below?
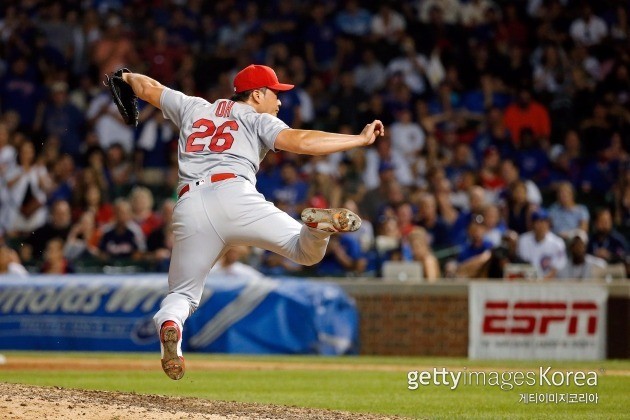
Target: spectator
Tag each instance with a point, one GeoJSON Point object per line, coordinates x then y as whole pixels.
{"type": "Point", "coordinates": [92, 201]}
{"type": "Point", "coordinates": [54, 260]}
{"type": "Point", "coordinates": [505, 253]}
{"type": "Point", "coordinates": [291, 191]}
{"type": "Point", "coordinates": [473, 12]}
{"type": "Point", "coordinates": [349, 102]}
{"type": "Point", "coordinates": [518, 209]}
{"type": "Point", "coordinates": [103, 117]}
{"type": "Point", "coordinates": [118, 169]}
{"type": "Point", "coordinates": [383, 157]}
{"type": "Point", "coordinates": [160, 241]}
{"type": "Point", "coordinates": [421, 251]}
{"type": "Point", "coordinates": [232, 33]}
{"type": "Point", "coordinates": [63, 119]}
{"type": "Point", "coordinates": [57, 30]}
{"type": "Point", "coordinates": [428, 218]}
{"type": "Point", "coordinates": [566, 161]}
{"type": "Point", "coordinates": [321, 44]}
{"type": "Point", "coordinates": [491, 94]}
{"type": "Point", "coordinates": [10, 262]}
{"type": "Point", "coordinates": [273, 264]}
{"type": "Point", "coordinates": [565, 214]}
{"type": "Point", "coordinates": [518, 67]}
{"type": "Point", "coordinates": [388, 26]}
{"type": "Point", "coordinates": [153, 149]}
{"type": "Point", "coordinates": [8, 163]}
{"type": "Point", "coordinates": [27, 183]}
{"type": "Point", "coordinates": [489, 175]}
{"type": "Point", "coordinates": [370, 75]}
{"type": "Point", "coordinates": [122, 239]}
{"type": "Point", "coordinates": [343, 258]}
{"type": "Point", "coordinates": [598, 176]}
{"type": "Point", "coordinates": [517, 30]}
{"type": "Point", "coordinates": [456, 220]}
{"type": "Point", "coordinates": [281, 26]}
{"type": "Point", "coordinates": [551, 74]}
{"type": "Point", "coordinates": [533, 160]}
{"type": "Point", "coordinates": [21, 92]}
{"type": "Point", "coordinates": [620, 28]}
{"type": "Point", "coordinates": [353, 20]}
{"type": "Point", "coordinates": [290, 111]}
{"type": "Point", "coordinates": [365, 234]}
{"type": "Point", "coordinates": [438, 32]}
{"type": "Point", "coordinates": [527, 113]}
{"type": "Point", "coordinates": [83, 238]}
{"type": "Point", "coordinates": [606, 242]}
{"type": "Point", "coordinates": [407, 136]}
{"type": "Point", "coordinates": [475, 253]}
{"type": "Point", "coordinates": [405, 217]}
{"type": "Point", "coordinates": [588, 29]}
{"type": "Point", "coordinates": [461, 162]}
{"type": "Point", "coordinates": [114, 50]}
{"type": "Point", "coordinates": [388, 240]}
{"type": "Point", "coordinates": [542, 248]}
{"type": "Point", "coordinates": [231, 265]}
{"type": "Point", "coordinates": [417, 69]}
{"type": "Point", "coordinates": [62, 179]}
{"type": "Point", "coordinates": [580, 265]}
{"type": "Point", "coordinates": [621, 194]}
{"type": "Point", "coordinates": [450, 9]}
{"type": "Point", "coordinates": [495, 226]}
{"type": "Point", "coordinates": [494, 134]}
{"type": "Point", "coordinates": [58, 227]}
{"type": "Point", "coordinates": [511, 174]}
{"type": "Point", "coordinates": [141, 199]}
{"type": "Point", "coordinates": [595, 128]}
{"type": "Point", "coordinates": [86, 33]}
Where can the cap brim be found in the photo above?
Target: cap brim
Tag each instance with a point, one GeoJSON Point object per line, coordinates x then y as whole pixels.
{"type": "Point", "coordinates": [281, 86]}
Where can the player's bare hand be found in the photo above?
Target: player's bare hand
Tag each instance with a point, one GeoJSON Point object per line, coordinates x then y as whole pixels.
{"type": "Point", "coordinates": [372, 131]}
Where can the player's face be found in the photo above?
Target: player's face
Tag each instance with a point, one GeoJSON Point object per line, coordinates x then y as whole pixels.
{"type": "Point", "coordinates": [271, 102]}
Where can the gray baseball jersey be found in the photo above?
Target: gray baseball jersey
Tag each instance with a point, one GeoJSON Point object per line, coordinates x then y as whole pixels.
{"type": "Point", "coordinates": [223, 136]}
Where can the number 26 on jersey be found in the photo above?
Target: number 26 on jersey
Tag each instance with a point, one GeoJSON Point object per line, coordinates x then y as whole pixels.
{"type": "Point", "coordinates": [220, 138]}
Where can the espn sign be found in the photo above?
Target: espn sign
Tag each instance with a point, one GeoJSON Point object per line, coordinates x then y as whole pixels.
{"type": "Point", "coordinates": [537, 321]}
{"type": "Point", "coordinates": [535, 317]}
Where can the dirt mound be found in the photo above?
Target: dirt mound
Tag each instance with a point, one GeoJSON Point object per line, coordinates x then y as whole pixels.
{"type": "Point", "coordinates": [19, 401]}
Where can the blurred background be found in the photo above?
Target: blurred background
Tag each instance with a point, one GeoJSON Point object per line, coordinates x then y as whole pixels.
{"type": "Point", "coordinates": [508, 122]}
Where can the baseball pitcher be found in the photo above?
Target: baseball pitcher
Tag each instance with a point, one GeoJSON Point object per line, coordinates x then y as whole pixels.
{"type": "Point", "coordinates": [220, 148]}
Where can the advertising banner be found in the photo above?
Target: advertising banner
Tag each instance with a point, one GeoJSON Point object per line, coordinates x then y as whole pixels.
{"type": "Point", "coordinates": [537, 321]}
{"type": "Point", "coordinates": [236, 315]}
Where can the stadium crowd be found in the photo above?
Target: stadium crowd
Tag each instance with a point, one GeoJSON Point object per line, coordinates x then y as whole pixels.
{"type": "Point", "coordinates": [508, 129]}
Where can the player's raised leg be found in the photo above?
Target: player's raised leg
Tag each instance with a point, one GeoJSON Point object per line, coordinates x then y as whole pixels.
{"type": "Point", "coordinates": [257, 222]}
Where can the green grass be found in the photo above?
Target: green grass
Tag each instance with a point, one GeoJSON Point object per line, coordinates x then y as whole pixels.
{"type": "Point", "coordinates": [359, 390]}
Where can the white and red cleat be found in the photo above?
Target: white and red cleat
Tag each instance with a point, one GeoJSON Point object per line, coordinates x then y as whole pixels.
{"type": "Point", "coordinates": [331, 220]}
{"type": "Point", "coordinates": [171, 347]}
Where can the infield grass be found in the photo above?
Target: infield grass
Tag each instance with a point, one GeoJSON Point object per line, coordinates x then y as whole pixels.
{"type": "Point", "coordinates": [358, 384]}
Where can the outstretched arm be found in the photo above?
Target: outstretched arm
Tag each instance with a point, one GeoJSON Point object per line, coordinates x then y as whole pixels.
{"type": "Point", "coordinates": [311, 142]}
{"type": "Point", "coordinates": [145, 88]}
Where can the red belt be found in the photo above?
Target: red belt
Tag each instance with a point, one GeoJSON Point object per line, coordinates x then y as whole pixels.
{"type": "Point", "coordinates": [213, 178]}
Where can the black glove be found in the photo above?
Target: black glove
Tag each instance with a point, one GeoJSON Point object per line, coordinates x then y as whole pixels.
{"type": "Point", "coordinates": [123, 96]}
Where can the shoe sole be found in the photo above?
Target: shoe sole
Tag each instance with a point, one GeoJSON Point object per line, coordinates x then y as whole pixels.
{"type": "Point", "coordinates": [342, 219]}
{"type": "Point", "coordinates": [172, 364]}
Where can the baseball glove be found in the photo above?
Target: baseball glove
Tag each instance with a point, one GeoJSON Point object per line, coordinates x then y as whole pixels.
{"type": "Point", "coordinates": [123, 96]}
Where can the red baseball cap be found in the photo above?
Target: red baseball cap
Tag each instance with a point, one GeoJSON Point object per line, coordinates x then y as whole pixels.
{"type": "Point", "coordinates": [257, 76]}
